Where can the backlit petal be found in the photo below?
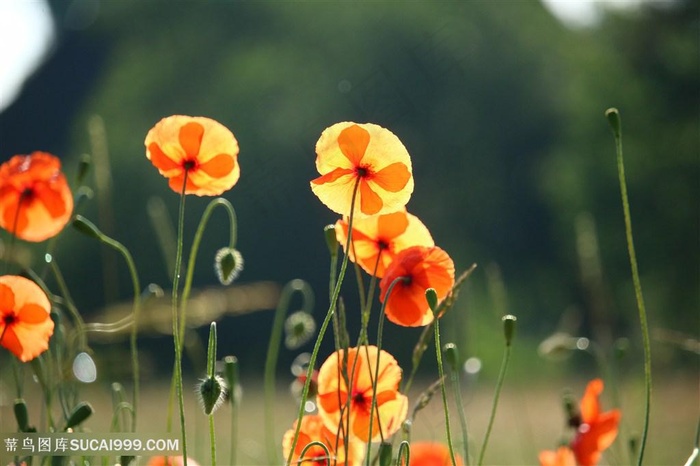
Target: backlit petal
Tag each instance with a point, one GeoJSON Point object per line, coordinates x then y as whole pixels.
{"type": "Point", "coordinates": [353, 142]}
{"type": "Point", "coordinates": [590, 405]}
{"type": "Point", "coordinates": [218, 166]}
{"type": "Point", "coordinates": [370, 202]}
{"type": "Point", "coordinates": [161, 160]}
{"type": "Point", "coordinates": [393, 177]}
{"type": "Point", "coordinates": [190, 137]}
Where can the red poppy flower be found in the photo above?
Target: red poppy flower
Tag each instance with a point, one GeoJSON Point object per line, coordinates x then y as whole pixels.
{"type": "Point", "coordinates": [313, 429]}
{"type": "Point", "coordinates": [35, 200]}
{"type": "Point", "coordinates": [597, 430]}
{"type": "Point", "coordinates": [376, 240]}
{"type": "Point", "coordinates": [348, 154]}
{"type": "Point", "coordinates": [200, 147]}
{"type": "Point", "coordinates": [333, 393]}
{"type": "Point", "coordinates": [562, 457]}
{"type": "Point", "coordinates": [25, 320]}
{"type": "Point", "coordinates": [421, 268]}
{"type": "Point", "coordinates": [432, 454]}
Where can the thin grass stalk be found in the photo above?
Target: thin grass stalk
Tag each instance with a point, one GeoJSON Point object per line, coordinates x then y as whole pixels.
{"type": "Point", "coordinates": [613, 117]}
{"type": "Point", "coordinates": [211, 374]}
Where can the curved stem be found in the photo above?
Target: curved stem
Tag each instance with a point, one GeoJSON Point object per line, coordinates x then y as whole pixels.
{"type": "Point", "coordinates": [499, 385]}
{"type": "Point", "coordinates": [614, 120]}
{"type": "Point", "coordinates": [324, 325]}
{"type": "Point", "coordinates": [219, 201]}
{"type": "Point", "coordinates": [272, 355]}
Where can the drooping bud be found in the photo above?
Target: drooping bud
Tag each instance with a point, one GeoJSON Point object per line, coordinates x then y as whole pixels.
{"type": "Point", "coordinates": [79, 414]}
{"type": "Point", "coordinates": [21, 414]}
{"type": "Point", "coordinates": [299, 328]}
{"type": "Point", "coordinates": [86, 227]}
{"type": "Point", "coordinates": [228, 264]}
{"type": "Point", "coordinates": [210, 392]}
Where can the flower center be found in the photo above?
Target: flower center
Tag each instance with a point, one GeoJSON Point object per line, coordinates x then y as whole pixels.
{"type": "Point", "coordinates": [27, 194]}
{"type": "Point", "coordinates": [382, 245]}
{"type": "Point", "coordinates": [363, 171]}
{"type": "Point", "coordinates": [358, 399]}
{"type": "Point", "coordinates": [189, 165]}
{"type": "Point", "coordinates": [9, 319]}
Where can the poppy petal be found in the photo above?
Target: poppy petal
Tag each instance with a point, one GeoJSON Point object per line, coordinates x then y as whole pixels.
{"type": "Point", "coordinates": [32, 314]}
{"type": "Point", "coordinates": [393, 177]}
{"type": "Point", "coordinates": [161, 160]}
{"type": "Point", "coordinates": [370, 202]}
{"type": "Point", "coordinates": [353, 142]}
{"type": "Point", "coordinates": [51, 199]}
{"type": "Point", "coordinates": [7, 298]}
{"type": "Point", "coordinates": [590, 406]}
{"type": "Point", "coordinates": [12, 343]}
{"type": "Point", "coordinates": [219, 166]}
{"type": "Point", "coordinates": [190, 137]}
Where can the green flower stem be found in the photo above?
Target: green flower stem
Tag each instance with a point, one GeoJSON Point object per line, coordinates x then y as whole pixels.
{"type": "Point", "coordinates": [324, 325]}
{"type": "Point", "coordinates": [404, 453]}
{"type": "Point", "coordinates": [441, 375]}
{"type": "Point", "coordinates": [219, 201]}
{"type": "Point", "coordinates": [457, 391]}
{"type": "Point", "coordinates": [380, 331]}
{"type": "Point", "coordinates": [211, 373]}
{"type": "Point", "coordinates": [499, 385]}
{"type": "Point", "coordinates": [232, 377]}
{"type": "Point", "coordinates": [272, 355]}
{"type": "Point", "coordinates": [613, 117]}
{"type": "Point", "coordinates": [315, 443]}
{"type": "Point", "coordinates": [176, 330]}
{"type": "Point", "coordinates": [119, 247]}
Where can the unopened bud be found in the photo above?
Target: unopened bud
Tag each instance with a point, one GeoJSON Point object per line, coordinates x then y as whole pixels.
{"type": "Point", "coordinates": [86, 227]}
{"type": "Point", "coordinates": [613, 116]}
{"type": "Point", "coordinates": [432, 298]}
{"type": "Point", "coordinates": [83, 167]}
{"type": "Point", "coordinates": [79, 414]}
{"type": "Point", "coordinates": [211, 393]}
{"type": "Point", "coordinates": [331, 239]}
{"type": "Point", "coordinates": [385, 454]}
{"type": "Point", "coordinates": [299, 328]}
{"type": "Point", "coordinates": [228, 264]}
{"type": "Point", "coordinates": [21, 414]}
{"type": "Point", "coordinates": [509, 328]}
{"type": "Point", "coordinates": [451, 355]}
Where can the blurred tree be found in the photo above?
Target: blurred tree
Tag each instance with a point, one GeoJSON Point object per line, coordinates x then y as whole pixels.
{"type": "Point", "coordinates": [500, 107]}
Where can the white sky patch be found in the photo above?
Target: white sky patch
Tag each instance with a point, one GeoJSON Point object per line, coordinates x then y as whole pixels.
{"type": "Point", "coordinates": [588, 13]}
{"type": "Point", "coordinates": [26, 34]}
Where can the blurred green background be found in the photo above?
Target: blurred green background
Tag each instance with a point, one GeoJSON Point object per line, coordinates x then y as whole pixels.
{"type": "Point", "coordinates": [500, 105]}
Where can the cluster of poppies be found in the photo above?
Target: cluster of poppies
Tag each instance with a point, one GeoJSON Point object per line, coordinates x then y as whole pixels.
{"type": "Point", "coordinates": [366, 178]}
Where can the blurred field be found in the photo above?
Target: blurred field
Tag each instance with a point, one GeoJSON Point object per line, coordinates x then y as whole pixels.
{"type": "Point", "coordinates": [529, 419]}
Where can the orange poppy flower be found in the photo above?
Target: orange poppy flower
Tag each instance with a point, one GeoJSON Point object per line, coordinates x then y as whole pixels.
{"type": "Point", "coordinates": [597, 430]}
{"type": "Point", "coordinates": [200, 147]}
{"type": "Point", "coordinates": [367, 155]}
{"type": "Point", "coordinates": [421, 268]}
{"type": "Point", "coordinates": [170, 461]}
{"type": "Point", "coordinates": [25, 320]}
{"type": "Point", "coordinates": [333, 393]}
{"type": "Point", "coordinates": [35, 200]}
{"type": "Point", "coordinates": [432, 454]}
{"type": "Point", "coordinates": [562, 457]}
{"type": "Point", "coordinates": [313, 429]}
{"type": "Point", "coordinates": [376, 240]}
